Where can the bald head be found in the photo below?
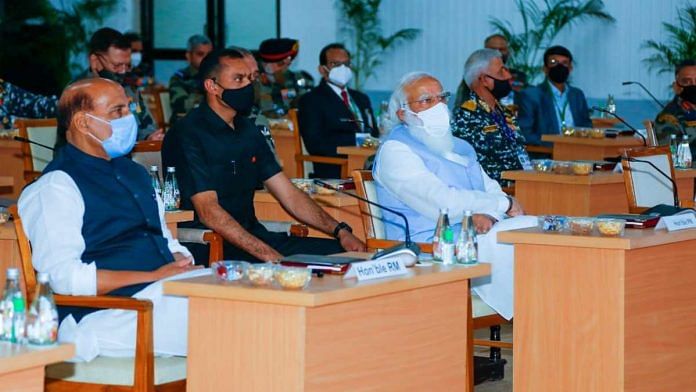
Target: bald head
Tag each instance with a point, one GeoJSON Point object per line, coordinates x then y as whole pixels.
{"type": "Point", "coordinates": [81, 96]}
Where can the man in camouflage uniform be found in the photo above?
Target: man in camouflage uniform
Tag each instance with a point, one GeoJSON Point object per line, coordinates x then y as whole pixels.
{"type": "Point", "coordinates": [184, 88]}
{"type": "Point", "coordinates": [486, 124]}
{"type": "Point", "coordinates": [17, 102]}
{"type": "Point", "coordinates": [109, 58]}
{"type": "Point", "coordinates": [679, 116]}
{"type": "Point", "coordinates": [279, 89]}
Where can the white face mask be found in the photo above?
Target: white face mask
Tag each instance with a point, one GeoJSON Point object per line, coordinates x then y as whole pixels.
{"type": "Point", "coordinates": [435, 121]}
{"type": "Point", "coordinates": [136, 58]}
{"type": "Point", "coordinates": [340, 75]}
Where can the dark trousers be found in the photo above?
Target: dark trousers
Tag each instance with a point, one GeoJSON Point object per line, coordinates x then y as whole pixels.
{"type": "Point", "coordinates": [281, 242]}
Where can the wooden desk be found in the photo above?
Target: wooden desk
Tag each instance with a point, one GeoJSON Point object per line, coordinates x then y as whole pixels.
{"type": "Point", "coordinates": [600, 192]}
{"type": "Point", "coordinates": [568, 148]}
{"type": "Point", "coordinates": [604, 314]}
{"type": "Point", "coordinates": [11, 165]}
{"type": "Point", "coordinates": [604, 122]}
{"type": "Point", "coordinates": [22, 367]}
{"type": "Point", "coordinates": [337, 335]}
{"type": "Point", "coordinates": [285, 149]}
{"type": "Point", "coordinates": [341, 207]}
{"type": "Point", "coordinates": [356, 156]}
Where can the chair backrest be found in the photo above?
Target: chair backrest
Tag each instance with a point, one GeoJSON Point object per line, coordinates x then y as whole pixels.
{"type": "Point", "coordinates": [166, 103]}
{"type": "Point", "coordinates": [151, 96]}
{"type": "Point", "coordinates": [28, 274]}
{"type": "Point", "coordinates": [371, 215]}
{"type": "Point", "coordinates": [645, 186]}
{"type": "Point", "coordinates": [148, 153]}
{"type": "Point", "coordinates": [650, 135]}
{"type": "Point", "coordinates": [36, 158]}
{"type": "Point", "coordinates": [303, 167]}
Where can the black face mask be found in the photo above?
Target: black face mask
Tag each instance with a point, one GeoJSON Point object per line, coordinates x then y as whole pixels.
{"type": "Point", "coordinates": [501, 88]}
{"type": "Point", "coordinates": [239, 99]}
{"type": "Point", "coordinates": [688, 93]}
{"type": "Point", "coordinates": [505, 58]}
{"type": "Point", "coordinates": [116, 77]}
{"type": "Point", "coordinates": [559, 73]}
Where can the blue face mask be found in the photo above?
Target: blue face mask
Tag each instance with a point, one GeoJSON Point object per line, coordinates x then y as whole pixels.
{"type": "Point", "coordinates": [124, 131]}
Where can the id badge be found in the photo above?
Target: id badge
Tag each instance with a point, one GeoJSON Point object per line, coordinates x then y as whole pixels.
{"type": "Point", "coordinates": [524, 159]}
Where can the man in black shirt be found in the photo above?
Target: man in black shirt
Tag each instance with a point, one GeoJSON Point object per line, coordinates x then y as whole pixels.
{"type": "Point", "coordinates": [220, 157]}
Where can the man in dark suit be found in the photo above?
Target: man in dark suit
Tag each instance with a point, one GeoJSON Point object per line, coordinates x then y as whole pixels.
{"type": "Point", "coordinates": [331, 114]}
{"type": "Point", "coordinates": [553, 105]}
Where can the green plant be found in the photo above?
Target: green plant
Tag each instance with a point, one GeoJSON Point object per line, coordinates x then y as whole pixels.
{"type": "Point", "coordinates": [541, 26]}
{"type": "Point", "coordinates": [361, 24]}
{"type": "Point", "coordinates": [680, 45]}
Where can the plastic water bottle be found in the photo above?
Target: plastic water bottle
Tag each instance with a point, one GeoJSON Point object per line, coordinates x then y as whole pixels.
{"type": "Point", "coordinates": [155, 180]}
{"type": "Point", "coordinates": [611, 104]}
{"type": "Point", "coordinates": [684, 153]}
{"type": "Point", "coordinates": [447, 246]}
{"type": "Point", "coordinates": [383, 118]}
{"type": "Point", "coordinates": [42, 321]}
{"type": "Point", "coordinates": [673, 148]}
{"type": "Point", "coordinates": [467, 244]}
{"type": "Point", "coordinates": [442, 224]}
{"type": "Point", "coordinates": [13, 309]}
{"type": "Point", "coordinates": [171, 197]}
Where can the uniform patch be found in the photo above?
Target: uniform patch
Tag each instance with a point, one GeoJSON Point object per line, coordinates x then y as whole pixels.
{"type": "Point", "coordinates": [469, 105]}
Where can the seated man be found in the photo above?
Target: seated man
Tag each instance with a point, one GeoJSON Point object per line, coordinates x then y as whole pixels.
{"type": "Point", "coordinates": [331, 114]}
{"type": "Point", "coordinates": [679, 116]}
{"type": "Point", "coordinates": [486, 124]}
{"type": "Point", "coordinates": [97, 227]}
{"type": "Point", "coordinates": [110, 58]}
{"type": "Point", "coordinates": [141, 72]}
{"type": "Point", "coordinates": [220, 157]}
{"type": "Point", "coordinates": [279, 88]}
{"type": "Point", "coordinates": [184, 88]}
{"type": "Point", "coordinates": [17, 102]}
{"type": "Point", "coordinates": [421, 167]}
{"type": "Point", "coordinates": [553, 105]}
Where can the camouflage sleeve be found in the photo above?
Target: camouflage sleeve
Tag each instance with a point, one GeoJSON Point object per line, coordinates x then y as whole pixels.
{"type": "Point", "coordinates": [146, 123]}
{"type": "Point", "coordinates": [462, 125]}
{"type": "Point", "coordinates": [666, 125]}
{"type": "Point", "coordinates": [177, 97]}
{"type": "Point", "coordinates": [22, 103]}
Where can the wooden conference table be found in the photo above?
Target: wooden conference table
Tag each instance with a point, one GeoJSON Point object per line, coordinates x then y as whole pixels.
{"type": "Point", "coordinates": [567, 194]}
{"type": "Point", "coordinates": [568, 148]}
{"type": "Point", "coordinates": [341, 207]}
{"type": "Point", "coordinates": [12, 165]}
{"type": "Point", "coordinates": [356, 156]}
{"type": "Point", "coordinates": [335, 335]}
{"type": "Point", "coordinates": [22, 368]}
{"type": "Point", "coordinates": [604, 314]}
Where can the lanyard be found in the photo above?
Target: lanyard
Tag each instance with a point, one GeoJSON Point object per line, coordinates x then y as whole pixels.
{"type": "Point", "coordinates": [499, 119]}
{"type": "Point", "coordinates": [561, 113]}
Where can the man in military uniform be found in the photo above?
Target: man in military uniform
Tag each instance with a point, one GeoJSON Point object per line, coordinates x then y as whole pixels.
{"type": "Point", "coordinates": [184, 89]}
{"type": "Point", "coordinates": [17, 102]}
{"type": "Point", "coordinates": [280, 88]}
{"type": "Point", "coordinates": [110, 58]}
{"type": "Point", "coordinates": [486, 124]}
{"type": "Point", "coordinates": [679, 116]}
{"type": "Point", "coordinates": [141, 73]}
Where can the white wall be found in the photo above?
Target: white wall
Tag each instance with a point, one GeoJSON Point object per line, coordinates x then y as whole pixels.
{"type": "Point", "coordinates": [605, 55]}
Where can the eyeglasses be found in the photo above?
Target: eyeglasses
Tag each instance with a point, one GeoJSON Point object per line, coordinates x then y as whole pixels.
{"type": "Point", "coordinates": [430, 100]}
{"type": "Point", "coordinates": [686, 82]}
{"type": "Point", "coordinates": [116, 66]}
{"type": "Point", "coordinates": [554, 62]}
{"type": "Point", "coordinates": [334, 64]}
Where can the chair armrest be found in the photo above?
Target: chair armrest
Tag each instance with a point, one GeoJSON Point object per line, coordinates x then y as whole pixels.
{"type": "Point", "coordinates": [289, 228]}
{"type": "Point", "coordinates": [321, 159]}
{"type": "Point", "coordinates": [373, 244]}
{"type": "Point", "coordinates": [144, 363]}
{"type": "Point", "coordinates": [206, 237]}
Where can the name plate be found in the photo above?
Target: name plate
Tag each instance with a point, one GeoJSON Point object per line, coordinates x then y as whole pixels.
{"type": "Point", "coordinates": [376, 269]}
{"type": "Point", "coordinates": [677, 222]}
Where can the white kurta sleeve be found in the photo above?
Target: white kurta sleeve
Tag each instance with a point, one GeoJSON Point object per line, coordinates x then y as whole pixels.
{"type": "Point", "coordinates": [404, 173]}
{"type": "Point", "coordinates": [52, 211]}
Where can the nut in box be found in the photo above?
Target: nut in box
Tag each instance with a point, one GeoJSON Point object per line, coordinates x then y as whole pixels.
{"type": "Point", "coordinates": [581, 225]}
{"type": "Point", "coordinates": [230, 270]}
{"type": "Point", "coordinates": [611, 227]}
{"type": "Point", "coordinates": [293, 277]}
{"type": "Point", "coordinates": [261, 274]}
{"type": "Point", "coordinates": [555, 223]}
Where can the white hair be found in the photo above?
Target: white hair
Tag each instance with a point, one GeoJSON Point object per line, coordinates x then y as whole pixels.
{"type": "Point", "coordinates": [477, 63]}
{"type": "Point", "coordinates": [398, 97]}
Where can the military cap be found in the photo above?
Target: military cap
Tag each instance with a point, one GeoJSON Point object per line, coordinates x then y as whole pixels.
{"type": "Point", "coordinates": [277, 49]}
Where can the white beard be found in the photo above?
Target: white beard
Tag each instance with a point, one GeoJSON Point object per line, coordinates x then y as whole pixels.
{"type": "Point", "coordinates": [441, 145]}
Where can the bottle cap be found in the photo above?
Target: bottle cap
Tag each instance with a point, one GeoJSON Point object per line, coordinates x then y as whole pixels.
{"type": "Point", "coordinates": [12, 273]}
{"type": "Point", "coordinates": [42, 277]}
{"type": "Point", "coordinates": [444, 210]}
{"type": "Point", "coordinates": [467, 213]}
{"type": "Point", "coordinates": [154, 168]}
{"type": "Point", "coordinates": [171, 169]}
{"type": "Point", "coordinates": [685, 137]}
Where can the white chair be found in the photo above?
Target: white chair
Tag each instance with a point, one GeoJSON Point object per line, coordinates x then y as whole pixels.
{"type": "Point", "coordinates": [645, 186]}
{"type": "Point", "coordinates": [36, 158]}
{"type": "Point", "coordinates": [166, 102]}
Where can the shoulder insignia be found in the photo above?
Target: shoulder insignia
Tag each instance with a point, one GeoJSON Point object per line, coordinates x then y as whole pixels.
{"type": "Point", "coordinates": [469, 105]}
{"type": "Point", "coordinates": [490, 128]}
{"type": "Point", "coordinates": [668, 118]}
{"type": "Point", "coordinates": [690, 124]}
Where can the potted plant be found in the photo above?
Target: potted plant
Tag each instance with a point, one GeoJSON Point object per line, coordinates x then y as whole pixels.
{"type": "Point", "coordinates": [680, 44]}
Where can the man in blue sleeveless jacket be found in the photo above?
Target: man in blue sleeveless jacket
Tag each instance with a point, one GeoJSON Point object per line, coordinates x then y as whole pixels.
{"type": "Point", "coordinates": [421, 167]}
{"type": "Point", "coordinates": [97, 227]}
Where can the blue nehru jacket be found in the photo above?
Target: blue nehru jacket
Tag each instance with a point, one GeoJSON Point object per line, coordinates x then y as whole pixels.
{"type": "Point", "coordinates": [453, 174]}
{"type": "Point", "coordinates": [121, 225]}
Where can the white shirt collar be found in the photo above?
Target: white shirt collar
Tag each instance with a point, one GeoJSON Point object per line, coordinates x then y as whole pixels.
{"type": "Point", "coordinates": [336, 89]}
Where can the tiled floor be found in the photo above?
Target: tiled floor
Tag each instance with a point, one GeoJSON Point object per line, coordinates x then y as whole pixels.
{"type": "Point", "coordinates": [504, 385]}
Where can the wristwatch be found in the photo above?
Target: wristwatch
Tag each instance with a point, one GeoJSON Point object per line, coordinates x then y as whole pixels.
{"type": "Point", "coordinates": [340, 226]}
